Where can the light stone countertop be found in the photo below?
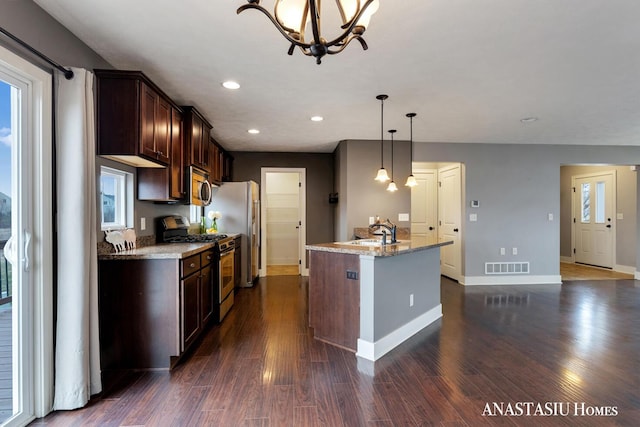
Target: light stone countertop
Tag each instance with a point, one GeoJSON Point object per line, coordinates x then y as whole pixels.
{"type": "Point", "coordinates": [159, 251]}
{"type": "Point", "coordinates": [413, 244]}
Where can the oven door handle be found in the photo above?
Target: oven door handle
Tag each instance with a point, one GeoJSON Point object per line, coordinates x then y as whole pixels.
{"type": "Point", "coordinates": [227, 253]}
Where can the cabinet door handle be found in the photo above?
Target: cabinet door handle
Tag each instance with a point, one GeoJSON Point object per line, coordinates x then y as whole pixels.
{"type": "Point", "coordinates": [192, 265]}
{"type": "Point", "coordinates": [208, 257]}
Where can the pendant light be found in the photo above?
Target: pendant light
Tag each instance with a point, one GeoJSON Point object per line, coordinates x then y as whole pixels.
{"type": "Point", "coordinates": [382, 173]}
{"type": "Point", "coordinates": [392, 185]}
{"type": "Point", "coordinates": [411, 180]}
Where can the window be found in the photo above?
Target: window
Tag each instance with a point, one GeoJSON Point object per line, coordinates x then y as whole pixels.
{"type": "Point", "coordinates": [116, 197]}
{"type": "Point", "coordinates": [586, 203]}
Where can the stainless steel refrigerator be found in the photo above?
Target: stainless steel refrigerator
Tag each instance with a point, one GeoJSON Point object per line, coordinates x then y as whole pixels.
{"type": "Point", "coordinates": [239, 206]}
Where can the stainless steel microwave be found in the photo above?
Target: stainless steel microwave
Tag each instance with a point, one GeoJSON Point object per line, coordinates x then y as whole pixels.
{"type": "Point", "coordinates": [199, 188]}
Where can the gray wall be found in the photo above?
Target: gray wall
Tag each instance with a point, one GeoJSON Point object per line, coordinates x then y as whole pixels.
{"type": "Point", "coordinates": [626, 186]}
{"type": "Point", "coordinates": [27, 21]}
{"type": "Point", "coordinates": [517, 186]}
{"type": "Point", "coordinates": [319, 174]}
{"type": "Point", "coordinates": [358, 163]}
{"type": "Point", "coordinates": [398, 277]}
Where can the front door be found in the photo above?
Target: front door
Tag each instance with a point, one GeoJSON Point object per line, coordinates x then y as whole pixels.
{"type": "Point", "coordinates": [594, 225]}
{"type": "Point", "coordinates": [450, 219]}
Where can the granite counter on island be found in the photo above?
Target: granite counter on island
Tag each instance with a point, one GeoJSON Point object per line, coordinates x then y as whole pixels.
{"type": "Point", "coordinates": [369, 298]}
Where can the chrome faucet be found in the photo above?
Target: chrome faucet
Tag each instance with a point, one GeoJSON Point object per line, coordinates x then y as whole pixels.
{"type": "Point", "coordinates": [389, 226]}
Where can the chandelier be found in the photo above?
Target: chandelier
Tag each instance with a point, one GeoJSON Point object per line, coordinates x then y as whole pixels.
{"type": "Point", "coordinates": [292, 18]}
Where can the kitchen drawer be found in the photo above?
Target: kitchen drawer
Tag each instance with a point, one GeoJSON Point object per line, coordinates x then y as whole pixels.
{"type": "Point", "coordinates": [190, 265]}
{"type": "Point", "coordinates": [206, 258]}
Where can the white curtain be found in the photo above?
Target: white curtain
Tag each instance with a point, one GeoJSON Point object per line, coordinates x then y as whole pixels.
{"type": "Point", "coordinates": [77, 358]}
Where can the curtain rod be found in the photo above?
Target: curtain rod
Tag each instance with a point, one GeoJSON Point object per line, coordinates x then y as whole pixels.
{"type": "Point", "coordinates": [68, 74]}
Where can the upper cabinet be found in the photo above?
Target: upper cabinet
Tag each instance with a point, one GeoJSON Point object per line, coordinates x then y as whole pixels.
{"type": "Point", "coordinates": [221, 163]}
{"type": "Point", "coordinates": [134, 119]}
{"type": "Point", "coordinates": [196, 133]}
{"type": "Point", "coordinates": [167, 184]}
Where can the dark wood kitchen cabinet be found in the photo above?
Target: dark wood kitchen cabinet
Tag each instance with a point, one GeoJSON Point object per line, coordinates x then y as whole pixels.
{"type": "Point", "coordinates": [133, 119]}
{"type": "Point", "coordinates": [196, 132]}
{"type": "Point", "coordinates": [153, 310]}
{"type": "Point", "coordinates": [197, 295]}
{"type": "Point", "coordinates": [167, 184]}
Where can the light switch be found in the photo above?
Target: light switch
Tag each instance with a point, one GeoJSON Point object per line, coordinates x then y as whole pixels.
{"type": "Point", "coordinates": [143, 224]}
{"type": "Point", "coordinates": [503, 251]}
{"type": "Point", "coordinates": [550, 217]}
{"type": "Point", "coordinates": [619, 215]}
{"type": "Point", "coordinates": [473, 217]}
{"type": "Point", "coordinates": [372, 220]}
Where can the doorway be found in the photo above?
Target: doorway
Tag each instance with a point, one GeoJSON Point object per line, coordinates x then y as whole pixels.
{"type": "Point", "coordinates": [283, 225]}
{"type": "Point", "coordinates": [25, 232]}
{"type": "Point", "coordinates": [593, 218]}
{"type": "Point", "coordinates": [436, 211]}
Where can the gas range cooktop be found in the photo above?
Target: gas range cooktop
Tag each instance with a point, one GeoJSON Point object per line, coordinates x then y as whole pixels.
{"type": "Point", "coordinates": [195, 238]}
{"type": "Point", "coordinates": [174, 229]}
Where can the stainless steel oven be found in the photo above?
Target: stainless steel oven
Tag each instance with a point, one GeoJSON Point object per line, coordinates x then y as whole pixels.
{"type": "Point", "coordinates": [226, 280]}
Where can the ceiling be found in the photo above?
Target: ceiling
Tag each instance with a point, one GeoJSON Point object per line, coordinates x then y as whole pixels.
{"type": "Point", "coordinates": [470, 69]}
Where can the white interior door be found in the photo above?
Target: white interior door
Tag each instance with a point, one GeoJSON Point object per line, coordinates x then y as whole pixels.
{"type": "Point", "coordinates": [424, 205]}
{"type": "Point", "coordinates": [594, 225]}
{"type": "Point", "coordinates": [449, 219]}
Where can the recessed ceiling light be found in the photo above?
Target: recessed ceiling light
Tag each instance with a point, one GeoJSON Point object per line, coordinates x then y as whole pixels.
{"type": "Point", "coordinates": [529, 119]}
{"type": "Point", "coordinates": [317, 118]}
{"type": "Point", "coordinates": [253, 131]}
{"type": "Point", "coordinates": [229, 84]}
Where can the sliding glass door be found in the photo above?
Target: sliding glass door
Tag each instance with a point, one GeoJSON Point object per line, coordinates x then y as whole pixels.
{"type": "Point", "coordinates": [25, 237]}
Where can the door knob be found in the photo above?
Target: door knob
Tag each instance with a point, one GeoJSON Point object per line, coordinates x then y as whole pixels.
{"type": "Point", "coordinates": [608, 225]}
{"type": "Point", "coordinates": [430, 228]}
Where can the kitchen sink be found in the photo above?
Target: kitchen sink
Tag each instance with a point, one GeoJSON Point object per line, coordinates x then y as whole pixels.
{"type": "Point", "coordinates": [367, 242]}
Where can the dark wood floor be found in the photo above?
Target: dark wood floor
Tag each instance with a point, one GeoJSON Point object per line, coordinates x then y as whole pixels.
{"type": "Point", "coordinates": [576, 343]}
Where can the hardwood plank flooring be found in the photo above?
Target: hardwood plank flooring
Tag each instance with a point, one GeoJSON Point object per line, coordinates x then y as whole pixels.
{"type": "Point", "coordinates": [576, 343]}
{"type": "Point", "coordinates": [283, 270]}
{"type": "Point", "coordinates": [569, 271]}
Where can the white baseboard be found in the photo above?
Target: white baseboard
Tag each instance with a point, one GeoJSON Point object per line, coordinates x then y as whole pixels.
{"type": "Point", "coordinates": [375, 350]}
{"type": "Point", "coordinates": [626, 269]}
{"type": "Point", "coordinates": [511, 280]}
{"type": "Point", "coordinates": [567, 259]}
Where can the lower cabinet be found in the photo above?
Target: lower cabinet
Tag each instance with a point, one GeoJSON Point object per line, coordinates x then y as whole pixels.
{"type": "Point", "coordinates": [197, 293]}
{"type": "Point", "coordinates": [152, 310]}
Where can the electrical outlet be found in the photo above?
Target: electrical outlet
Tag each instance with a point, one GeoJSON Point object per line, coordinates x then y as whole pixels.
{"type": "Point", "coordinates": [143, 223]}
{"type": "Point", "coordinates": [353, 275]}
{"type": "Point", "coordinates": [503, 251]}
{"type": "Point", "coordinates": [410, 300]}
{"type": "Point", "coordinates": [403, 217]}
{"type": "Point", "coordinates": [372, 220]}
{"type": "Point", "coordinates": [514, 251]}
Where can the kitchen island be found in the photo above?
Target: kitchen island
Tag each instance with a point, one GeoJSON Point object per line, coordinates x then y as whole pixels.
{"type": "Point", "coordinates": [368, 297]}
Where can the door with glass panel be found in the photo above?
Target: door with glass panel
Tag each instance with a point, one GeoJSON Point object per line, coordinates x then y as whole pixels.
{"type": "Point", "coordinates": [594, 225]}
{"type": "Point", "coordinates": [25, 240]}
